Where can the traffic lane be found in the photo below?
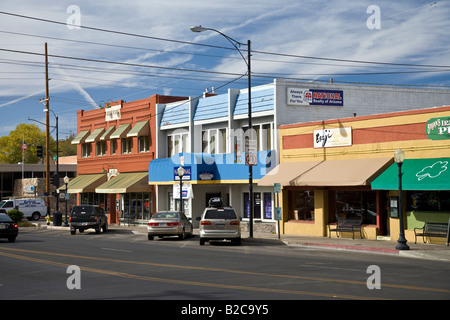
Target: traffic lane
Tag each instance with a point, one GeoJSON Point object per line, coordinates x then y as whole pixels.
{"type": "Point", "coordinates": [226, 256]}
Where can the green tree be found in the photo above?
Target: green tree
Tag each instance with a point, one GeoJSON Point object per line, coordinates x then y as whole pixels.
{"type": "Point", "coordinates": [11, 145]}
{"type": "Point", "coordinates": [66, 148]}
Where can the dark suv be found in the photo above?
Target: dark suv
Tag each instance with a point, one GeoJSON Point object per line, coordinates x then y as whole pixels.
{"type": "Point", "coordinates": [86, 217]}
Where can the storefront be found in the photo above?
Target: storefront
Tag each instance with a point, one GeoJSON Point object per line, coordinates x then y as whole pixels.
{"type": "Point", "coordinates": [206, 176]}
{"type": "Point", "coordinates": [345, 168]}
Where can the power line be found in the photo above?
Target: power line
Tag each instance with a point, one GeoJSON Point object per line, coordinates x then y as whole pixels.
{"type": "Point", "coordinates": [221, 47]}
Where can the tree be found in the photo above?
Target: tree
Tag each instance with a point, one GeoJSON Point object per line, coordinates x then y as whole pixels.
{"type": "Point", "coordinates": [66, 148]}
{"type": "Point", "coordinates": [11, 146]}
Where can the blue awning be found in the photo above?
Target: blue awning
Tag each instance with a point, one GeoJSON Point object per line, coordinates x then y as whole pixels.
{"type": "Point", "coordinates": [209, 168]}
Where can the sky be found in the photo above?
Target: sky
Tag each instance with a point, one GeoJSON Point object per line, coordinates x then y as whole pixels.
{"type": "Point", "coordinates": [103, 51]}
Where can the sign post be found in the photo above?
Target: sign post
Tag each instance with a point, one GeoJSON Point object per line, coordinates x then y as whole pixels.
{"type": "Point", "coordinates": [277, 190]}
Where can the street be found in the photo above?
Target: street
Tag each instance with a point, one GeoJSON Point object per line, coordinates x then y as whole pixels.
{"type": "Point", "coordinates": [52, 264]}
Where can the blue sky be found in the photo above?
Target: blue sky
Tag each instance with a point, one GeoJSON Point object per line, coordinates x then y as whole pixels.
{"type": "Point", "coordinates": [412, 33]}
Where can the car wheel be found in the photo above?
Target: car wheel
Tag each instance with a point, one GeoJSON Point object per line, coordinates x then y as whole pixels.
{"type": "Point", "coordinates": [105, 228]}
{"type": "Point", "coordinates": [97, 229]}
{"type": "Point", "coordinates": [202, 241]}
{"type": "Point", "coordinates": [150, 237]}
{"type": "Point", "coordinates": [73, 231]}
{"type": "Point", "coordinates": [36, 216]}
{"type": "Point", "coordinates": [182, 235]}
{"type": "Point", "coordinates": [237, 241]}
{"type": "Point", "coordinates": [12, 239]}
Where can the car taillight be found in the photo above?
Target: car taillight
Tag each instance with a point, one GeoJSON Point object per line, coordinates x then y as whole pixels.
{"type": "Point", "coordinates": [205, 223]}
{"type": "Point", "coordinates": [172, 224]}
{"type": "Point", "coordinates": [153, 224]}
{"type": "Point", "coordinates": [15, 225]}
{"type": "Point", "coordinates": [233, 223]}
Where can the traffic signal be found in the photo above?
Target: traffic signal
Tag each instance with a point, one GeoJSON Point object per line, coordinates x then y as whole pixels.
{"type": "Point", "coordinates": [55, 180]}
{"type": "Point", "coordinates": [39, 151]}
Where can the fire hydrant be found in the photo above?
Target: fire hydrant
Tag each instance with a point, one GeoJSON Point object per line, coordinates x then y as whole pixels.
{"type": "Point", "coordinates": [47, 217]}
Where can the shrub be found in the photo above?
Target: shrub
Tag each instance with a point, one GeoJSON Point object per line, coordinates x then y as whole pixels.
{"type": "Point", "coordinates": [15, 214]}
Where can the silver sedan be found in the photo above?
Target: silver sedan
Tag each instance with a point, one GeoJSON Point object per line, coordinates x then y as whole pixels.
{"type": "Point", "coordinates": [169, 223]}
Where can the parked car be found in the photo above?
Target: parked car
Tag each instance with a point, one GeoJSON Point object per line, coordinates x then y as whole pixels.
{"type": "Point", "coordinates": [8, 228]}
{"type": "Point", "coordinates": [169, 223]}
{"type": "Point", "coordinates": [32, 208]}
{"type": "Point", "coordinates": [88, 217]}
{"type": "Point", "coordinates": [219, 223]}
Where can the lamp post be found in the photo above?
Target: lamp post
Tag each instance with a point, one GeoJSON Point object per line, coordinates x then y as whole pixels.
{"type": "Point", "coordinates": [399, 156]}
{"type": "Point", "coordinates": [180, 174]}
{"type": "Point", "coordinates": [237, 44]}
{"type": "Point", "coordinates": [66, 181]}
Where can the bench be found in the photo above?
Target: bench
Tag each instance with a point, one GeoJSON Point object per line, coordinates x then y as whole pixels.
{"type": "Point", "coordinates": [433, 229]}
{"type": "Point", "coordinates": [346, 225]}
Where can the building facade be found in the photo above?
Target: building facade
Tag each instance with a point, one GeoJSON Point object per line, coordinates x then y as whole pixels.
{"type": "Point", "coordinates": [345, 167]}
{"type": "Point", "coordinates": [212, 134]}
{"type": "Point", "coordinates": [114, 146]}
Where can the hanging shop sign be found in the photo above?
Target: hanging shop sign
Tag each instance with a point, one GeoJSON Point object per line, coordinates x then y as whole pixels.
{"type": "Point", "coordinates": [438, 128]}
{"type": "Point", "coordinates": [336, 137]}
{"type": "Point", "coordinates": [314, 97]}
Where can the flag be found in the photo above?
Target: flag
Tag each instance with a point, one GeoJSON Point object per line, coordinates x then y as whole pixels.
{"type": "Point", "coordinates": [24, 145]}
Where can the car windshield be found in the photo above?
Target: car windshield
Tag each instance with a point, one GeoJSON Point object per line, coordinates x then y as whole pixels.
{"type": "Point", "coordinates": [165, 215]}
{"type": "Point", "coordinates": [5, 218]}
{"type": "Point", "coordinates": [79, 210]}
{"type": "Point", "coordinates": [220, 214]}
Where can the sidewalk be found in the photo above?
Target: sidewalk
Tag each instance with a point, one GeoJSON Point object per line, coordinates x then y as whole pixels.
{"type": "Point", "coordinates": [439, 252]}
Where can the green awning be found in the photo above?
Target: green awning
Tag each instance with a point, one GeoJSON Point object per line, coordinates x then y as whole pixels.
{"type": "Point", "coordinates": [80, 137]}
{"type": "Point", "coordinates": [418, 174]}
{"type": "Point", "coordinates": [108, 132]}
{"type": "Point", "coordinates": [126, 182]}
{"type": "Point", "coordinates": [121, 131]}
{"type": "Point", "coordinates": [95, 135]}
{"type": "Point", "coordinates": [84, 183]}
{"type": "Point", "coordinates": [140, 129]}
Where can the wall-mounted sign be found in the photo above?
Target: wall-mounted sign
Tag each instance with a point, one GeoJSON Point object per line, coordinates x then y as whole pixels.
{"type": "Point", "coordinates": [186, 175]}
{"type": "Point", "coordinates": [336, 137]}
{"type": "Point", "coordinates": [438, 128]}
{"type": "Point", "coordinates": [314, 97]}
{"type": "Point", "coordinates": [113, 112]}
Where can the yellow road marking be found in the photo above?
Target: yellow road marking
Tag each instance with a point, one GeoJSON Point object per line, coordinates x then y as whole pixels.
{"type": "Point", "coordinates": [206, 269]}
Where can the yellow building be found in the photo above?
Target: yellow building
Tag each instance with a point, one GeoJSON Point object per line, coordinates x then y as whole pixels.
{"type": "Point", "coordinates": [345, 169]}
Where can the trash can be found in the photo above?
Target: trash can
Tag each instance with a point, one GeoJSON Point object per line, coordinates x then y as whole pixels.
{"type": "Point", "coordinates": [57, 218]}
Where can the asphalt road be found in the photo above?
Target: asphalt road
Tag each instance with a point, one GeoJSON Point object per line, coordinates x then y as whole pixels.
{"type": "Point", "coordinates": [121, 265]}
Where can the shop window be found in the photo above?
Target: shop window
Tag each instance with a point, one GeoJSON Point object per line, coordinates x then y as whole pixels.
{"type": "Point", "coordinates": [268, 205]}
{"type": "Point", "coordinates": [357, 205]}
{"type": "Point", "coordinates": [301, 204]}
{"type": "Point", "coordinates": [437, 201]}
{"type": "Point", "coordinates": [144, 143]}
{"type": "Point", "coordinates": [137, 206]}
{"type": "Point", "coordinates": [126, 145]}
{"type": "Point", "coordinates": [100, 148]}
{"type": "Point", "coordinates": [113, 146]}
{"type": "Point", "coordinates": [86, 150]}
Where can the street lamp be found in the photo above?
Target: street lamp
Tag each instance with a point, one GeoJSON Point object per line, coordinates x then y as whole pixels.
{"type": "Point", "coordinates": [180, 174]}
{"type": "Point", "coordinates": [399, 156]}
{"type": "Point", "coordinates": [66, 181]}
{"type": "Point", "coordinates": [237, 44]}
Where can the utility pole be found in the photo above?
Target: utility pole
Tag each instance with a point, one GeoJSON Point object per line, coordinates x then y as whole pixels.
{"type": "Point", "coordinates": [47, 140]}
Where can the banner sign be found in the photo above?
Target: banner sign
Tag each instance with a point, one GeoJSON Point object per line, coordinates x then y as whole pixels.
{"type": "Point", "coordinates": [314, 97]}
{"type": "Point", "coordinates": [438, 128]}
{"type": "Point", "coordinates": [336, 137]}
